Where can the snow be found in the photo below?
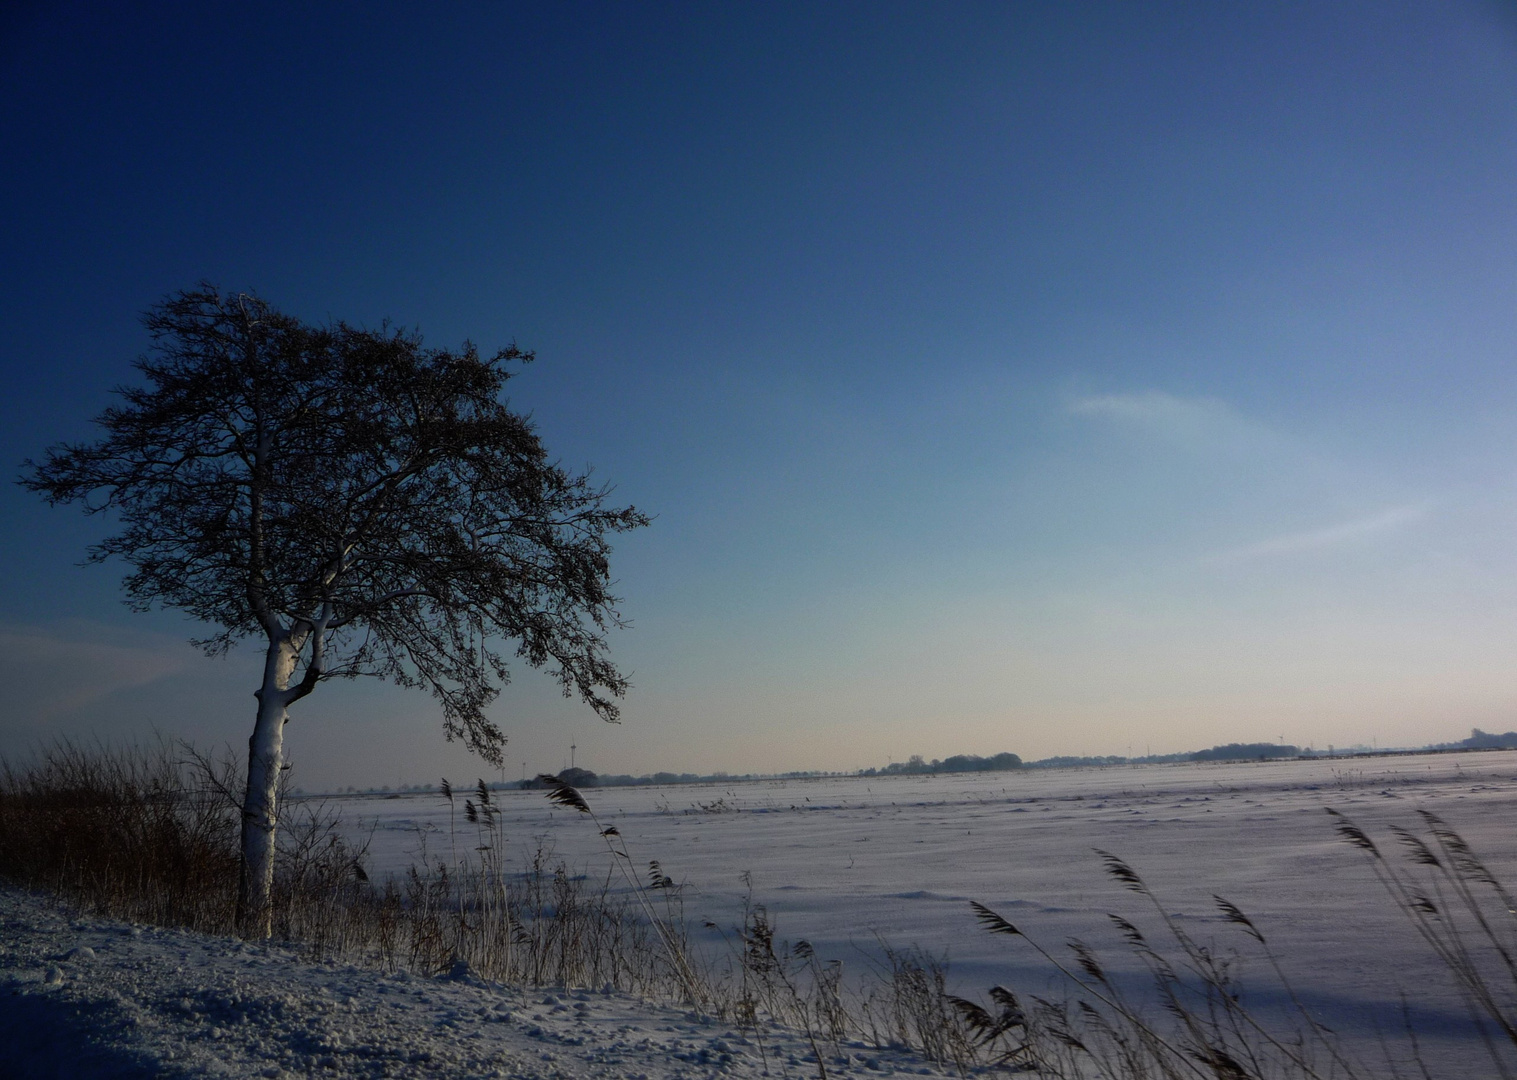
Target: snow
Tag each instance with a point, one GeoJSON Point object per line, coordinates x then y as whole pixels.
{"type": "Point", "coordinates": [94, 998]}
{"type": "Point", "coordinates": [837, 862]}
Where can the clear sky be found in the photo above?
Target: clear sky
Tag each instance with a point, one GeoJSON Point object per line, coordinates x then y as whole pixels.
{"type": "Point", "coordinates": [1062, 379]}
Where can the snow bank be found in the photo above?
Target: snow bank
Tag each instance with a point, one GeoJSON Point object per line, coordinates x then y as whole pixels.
{"type": "Point", "coordinates": [94, 998]}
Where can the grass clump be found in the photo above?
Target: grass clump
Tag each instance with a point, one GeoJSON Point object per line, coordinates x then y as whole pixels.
{"type": "Point", "coordinates": [150, 834]}
{"type": "Point", "coordinates": [138, 833]}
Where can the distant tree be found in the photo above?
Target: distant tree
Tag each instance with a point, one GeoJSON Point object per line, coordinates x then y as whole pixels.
{"type": "Point", "coordinates": [1246, 751]}
{"type": "Point", "coordinates": [955, 763]}
{"type": "Point", "coordinates": [580, 778]}
{"type": "Point", "coordinates": [975, 763]}
{"type": "Point", "coordinates": [1485, 740]}
{"type": "Point", "coordinates": [362, 505]}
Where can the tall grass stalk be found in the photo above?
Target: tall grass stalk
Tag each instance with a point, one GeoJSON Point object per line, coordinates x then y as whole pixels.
{"type": "Point", "coordinates": [1203, 1028]}
{"type": "Point", "coordinates": [1464, 914]}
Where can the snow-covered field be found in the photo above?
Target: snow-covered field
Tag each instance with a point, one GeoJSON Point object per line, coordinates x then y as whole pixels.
{"type": "Point", "coordinates": [838, 862]}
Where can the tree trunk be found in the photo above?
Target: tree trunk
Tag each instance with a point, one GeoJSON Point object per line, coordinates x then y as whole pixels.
{"type": "Point", "coordinates": [260, 810]}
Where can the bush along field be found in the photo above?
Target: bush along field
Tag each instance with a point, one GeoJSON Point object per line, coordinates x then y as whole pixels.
{"type": "Point", "coordinates": [150, 836]}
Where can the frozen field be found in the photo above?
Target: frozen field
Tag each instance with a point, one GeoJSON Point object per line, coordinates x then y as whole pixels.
{"type": "Point", "coordinates": [839, 861]}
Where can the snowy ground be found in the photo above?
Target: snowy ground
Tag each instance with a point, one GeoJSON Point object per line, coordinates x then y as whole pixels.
{"type": "Point", "coordinates": [89, 998]}
{"type": "Point", "coordinates": [839, 861]}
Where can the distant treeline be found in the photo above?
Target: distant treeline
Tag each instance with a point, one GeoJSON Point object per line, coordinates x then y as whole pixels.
{"type": "Point", "coordinates": [1253, 751]}
{"type": "Point", "coordinates": [1067, 761]}
{"type": "Point", "coordinates": [1230, 752]}
{"type": "Point", "coordinates": [973, 763]}
{"type": "Point", "coordinates": [584, 778]}
{"type": "Point", "coordinates": [1482, 740]}
{"type": "Point", "coordinates": [956, 763]}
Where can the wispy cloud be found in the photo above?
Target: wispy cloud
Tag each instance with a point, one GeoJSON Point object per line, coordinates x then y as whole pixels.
{"type": "Point", "coordinates": [1207, 444]}
{"type": "Point", "coordinates": [1331, 536]}
{"type": "Point", "coordinates": [1151, 407]}
{"type": "Point", "coordinates": [1203, 425]}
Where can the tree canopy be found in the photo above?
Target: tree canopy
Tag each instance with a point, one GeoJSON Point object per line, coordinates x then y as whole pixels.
{"type": "Point", "coordinates": [367, 496]}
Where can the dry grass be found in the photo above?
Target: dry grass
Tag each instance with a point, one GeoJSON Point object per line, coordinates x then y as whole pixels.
{"type": "Point", "coordinates": [130, 833]}
{"type": "Point", "coordinates": [151, 835]}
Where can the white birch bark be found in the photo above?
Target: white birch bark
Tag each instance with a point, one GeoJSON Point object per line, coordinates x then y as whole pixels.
{"type": "Point", "coordinates": [260, 810]}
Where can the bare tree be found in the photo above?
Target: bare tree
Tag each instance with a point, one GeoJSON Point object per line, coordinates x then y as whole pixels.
{"type": "Point", "coordinates": [363, 505]}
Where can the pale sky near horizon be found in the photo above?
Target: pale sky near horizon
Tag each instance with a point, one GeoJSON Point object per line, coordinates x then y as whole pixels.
{"type": "Point", "coordinates": [1053, 378]}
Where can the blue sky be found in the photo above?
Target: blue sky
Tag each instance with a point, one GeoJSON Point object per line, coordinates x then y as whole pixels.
{"type": "Point", "coordinates": [1045, 378]}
